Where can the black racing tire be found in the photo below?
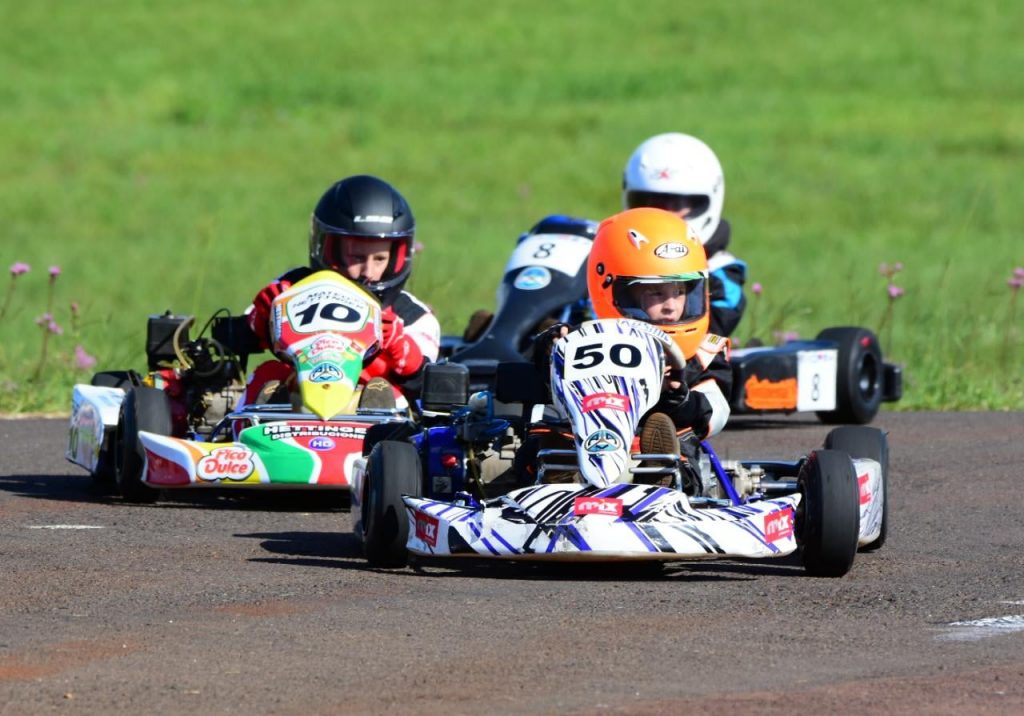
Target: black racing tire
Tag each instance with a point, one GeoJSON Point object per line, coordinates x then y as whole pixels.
{"type": "Point", "coordinates": [862, 441]}
{"type": "Point", "coordinates": [105, 470]}
{"type": "Point", "coordinates": [828, 517]}
{"type": "Point", "coordinates": [393, 469]}
{"type": "Point", "coordinates": [859, 372]}
{"type": "Point", "coordinates": [148, 409]}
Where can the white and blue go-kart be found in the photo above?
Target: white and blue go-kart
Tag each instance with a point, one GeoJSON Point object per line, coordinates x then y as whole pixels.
{"type": "Point", "coordinates": [840, 375]}
{"type": "Point", "coordinates": [620, 504]}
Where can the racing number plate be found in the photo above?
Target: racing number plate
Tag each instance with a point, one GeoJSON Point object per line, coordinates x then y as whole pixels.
{"type": "Point", "coordinates": [816, 380]}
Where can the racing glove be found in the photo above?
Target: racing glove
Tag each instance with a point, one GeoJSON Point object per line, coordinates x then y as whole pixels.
{"type": "Point", "coordinates": [259, 317]}
{"type": "Point", "coordinates": [543, 343]}
{"type": "Point", "coordinates": [398, 349]}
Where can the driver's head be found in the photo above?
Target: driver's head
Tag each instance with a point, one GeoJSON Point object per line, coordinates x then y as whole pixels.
{"type": "Point", "coordinates": [363, 228]}
{"type": "Point", "coordinates": [647, 265]}
{"type": "Point", "coordinates": [678, 173]}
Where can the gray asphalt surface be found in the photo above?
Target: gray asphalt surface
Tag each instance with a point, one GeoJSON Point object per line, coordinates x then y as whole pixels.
{"type": "Point", "coordinates": [205, 604]}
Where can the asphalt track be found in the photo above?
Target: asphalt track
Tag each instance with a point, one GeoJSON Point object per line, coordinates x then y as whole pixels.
{"type": "Point", "coordinates": [205, 604]}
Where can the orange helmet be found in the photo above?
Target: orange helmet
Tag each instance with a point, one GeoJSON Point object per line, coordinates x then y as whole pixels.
{"type": "Point", "coordinates": [647, 264]}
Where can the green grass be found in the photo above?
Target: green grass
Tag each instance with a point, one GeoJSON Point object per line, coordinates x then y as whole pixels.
{"type": "Point", "coordinates": [168, 154]}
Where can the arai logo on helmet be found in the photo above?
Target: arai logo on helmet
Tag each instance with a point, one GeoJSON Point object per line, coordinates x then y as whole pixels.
{"type": "Point", "coordinates": [671, 250]}
{"type": "Point", "coordinates": [373, 219]}
{"type": "Point", "coordinates": [602, 441]}
{"type": "Point", "coordinates": [532, 279]}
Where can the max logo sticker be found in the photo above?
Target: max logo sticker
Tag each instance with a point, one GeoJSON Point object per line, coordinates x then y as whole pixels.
{"type": "Point", "coordinates": [227, 463]}
{"type": "Point", "coordinates": [609, 506]}
{"type": "Point", "coordinates": [532, 278]}
{"type": "Point", "coordinates": [778, 525]}
{"type": "Point", "coordinates": [426, 528]}
{"type": "Point", "coordinates": [671, 251]}
{"type": "Point", "coordinates": [611, 401]}
{"type": "Point", "coordinates": [602, 441]}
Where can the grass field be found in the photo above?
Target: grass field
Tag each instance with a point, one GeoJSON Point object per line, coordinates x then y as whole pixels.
{"type": "Point", "coordinates": [168, 154]}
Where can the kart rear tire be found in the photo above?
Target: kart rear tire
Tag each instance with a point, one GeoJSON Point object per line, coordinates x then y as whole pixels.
{"type": "Point", "coordinates": [393, 470]}
{"type": "Point", "coordinates": [871, 443]}
{"type": "Point", "coordinates": [859, 372]}
{"type": "Point", "coordinates": [148, 409]}
{"type": "Point", "coordinates": [828, 517]}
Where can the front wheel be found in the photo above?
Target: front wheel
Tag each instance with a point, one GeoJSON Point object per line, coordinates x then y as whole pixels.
{"type": "Point", "coordinates": [104, 475]}
{"type": "Point", "coordinates": [393, 470]}
{"type": "Point", "coordinates": [148, 409]}
{"type": "Point", "coordinates": [828, 517]}
{"type": "Point", "coordinates": [871, 443]}
{"type": "Point", "coordinates": [859, 372]}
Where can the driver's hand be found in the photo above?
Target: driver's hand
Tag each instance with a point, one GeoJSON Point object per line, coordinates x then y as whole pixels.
{"type": "Point", "coordinates": [544, 342]}
{"type": "Point", "coordinates": [259, 317]}
{"type": "Point", "coordinates": [392, 328]}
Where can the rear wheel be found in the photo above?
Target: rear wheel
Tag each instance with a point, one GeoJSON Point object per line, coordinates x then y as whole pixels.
{"type": "Point", "coordinates": [858, 375]}
{"type": "Point", "coordinates": [828, 517]}
{"type": "Point", "coordinates": [393, 470]}
{"type": "Point", "coordinates": [871, 443]}
{"type": "Point", "coordinates": [148, 409]}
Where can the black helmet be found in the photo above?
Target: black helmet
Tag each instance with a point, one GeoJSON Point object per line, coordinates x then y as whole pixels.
{"type": "Point", "coordinates": [364, 207]}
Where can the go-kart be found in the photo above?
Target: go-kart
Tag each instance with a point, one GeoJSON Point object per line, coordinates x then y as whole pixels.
{"type": "Point", "coordinates": [176, 427]}
{"type": "Point", "coordinates": [840, 375]}
{"type": "Point", "coordinates": [596, 498]}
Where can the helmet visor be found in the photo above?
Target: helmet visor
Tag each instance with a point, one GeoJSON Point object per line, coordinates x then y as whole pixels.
{"type": "Point", "coordinates": [693, 204]}
{"type": "Point", "coordinates": [376, 259]}
{"type": "Point", "coordinates": [662, 300]}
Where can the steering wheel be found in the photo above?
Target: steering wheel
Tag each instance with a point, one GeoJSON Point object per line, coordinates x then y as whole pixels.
{"type": "Point", "coordinates": [203, 356]}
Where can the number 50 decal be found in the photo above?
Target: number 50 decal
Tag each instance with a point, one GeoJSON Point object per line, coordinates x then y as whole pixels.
{"type": "Point", "coordinates": [592, 355]}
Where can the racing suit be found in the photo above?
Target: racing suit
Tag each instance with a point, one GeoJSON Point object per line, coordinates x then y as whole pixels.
{"type": "Point", "coordinates": [411, 338]}
{"type": "Point", "coordinates": [728, 274]}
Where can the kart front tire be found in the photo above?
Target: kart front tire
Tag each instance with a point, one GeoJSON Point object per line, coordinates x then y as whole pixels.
{"type": "Point", "coordinates": [828, 517]}
{"type": "Point", "coordinates": [859, 372]}
{"type": "Point", "coordinates": [148, 409]}
{"type": "Point", "coordinates": [871, 443]}
{"type": "Point", "coordinates": [393, 470]}
{"type": "Point", "coordinates": [105, 467]}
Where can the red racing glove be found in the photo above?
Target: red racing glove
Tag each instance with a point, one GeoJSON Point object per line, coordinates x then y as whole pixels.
{"type": "Point", "coordinates": [259, 317]}
{"type": "Point", "coordinates": [401, 353]}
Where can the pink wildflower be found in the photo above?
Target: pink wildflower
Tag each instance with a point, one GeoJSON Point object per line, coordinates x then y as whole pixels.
{"type": "Point", "coordinates": [1016, 282]}
{"type": "Point", "coordinates": [1018, 272]}
{"type": "Point", "coordinates": [756, 289]}
{"type": "Point", "coordinates": [54, 328]}
{"type": "Point", "coordinates": [19, 267]}
{"type": "Point", "coordinates": [44, 319]}
{"type": "Point", "coordinates": [83, 360]}
{"type": "Point", "coordinates": [54, 271]}
{"type": "Point", "coordinates": [895, 291]}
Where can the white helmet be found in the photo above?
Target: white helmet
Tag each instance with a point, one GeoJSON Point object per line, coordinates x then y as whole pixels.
{"type": "Point", "coordinates": [674, 172]}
